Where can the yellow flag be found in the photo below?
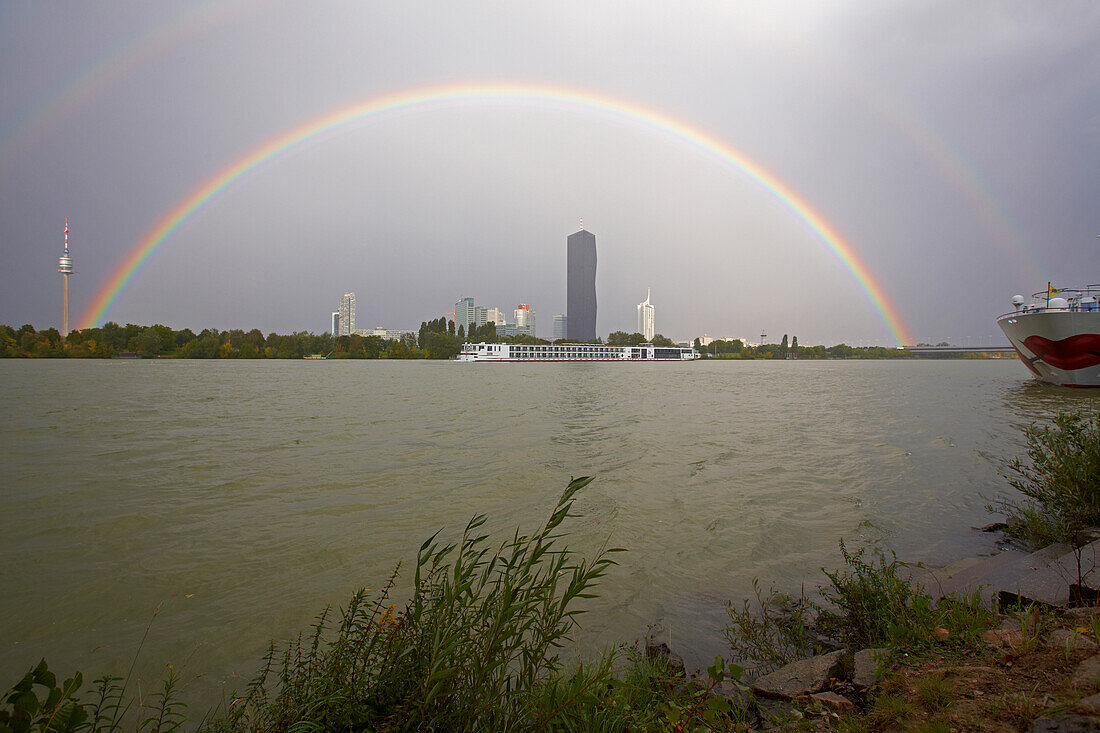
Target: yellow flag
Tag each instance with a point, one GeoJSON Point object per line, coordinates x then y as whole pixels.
{"type": "Point", "coordinates": [1051, 292]}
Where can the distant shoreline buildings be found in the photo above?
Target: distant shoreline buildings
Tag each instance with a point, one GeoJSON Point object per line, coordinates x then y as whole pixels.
{"type": "Point", "coordinates": [467, 311]}
{"type": "Point", "coordinates": [343, 323]}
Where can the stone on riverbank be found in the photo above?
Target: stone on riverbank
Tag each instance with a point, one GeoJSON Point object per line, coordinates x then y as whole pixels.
{"type": "Point", "coordinates": [867, 667]}
{"type": "Point", "coordinates": [659, 651]}
{"type": "Point", "coordinates": [1008, 637]}
{"type": "Point", "coordinates": [1069, 723]}
{"type": "Point", "coordinates": [1063, 639]}
{"type": "Point", "coordinates": [832, 701]}
{"type": "Point", "coordinates": [804, 677]}
{"type": "Point", "coordinates": [1087, 674]}
{"type": "Point", "coordinates": [1089, 705]}
{"type": "Point", "coordinates": [1083, 613]}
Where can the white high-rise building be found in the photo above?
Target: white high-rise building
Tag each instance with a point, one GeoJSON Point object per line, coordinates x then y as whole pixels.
{"type": "Point", "coordinates": [347, 314]}
{"type": "Point", "coordinates": [495, 315]}
{"type": "Point", "coordinates": [645, 318]}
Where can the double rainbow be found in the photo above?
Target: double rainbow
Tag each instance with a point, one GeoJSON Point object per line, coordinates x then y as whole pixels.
{"type": "Point", "coordinates": [433, 96]}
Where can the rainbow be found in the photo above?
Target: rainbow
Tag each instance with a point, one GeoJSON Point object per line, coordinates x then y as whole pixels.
{"type": "Point", "coordinates": [55, 108]}
{"type": "Point", "coordinates": [438, 95]}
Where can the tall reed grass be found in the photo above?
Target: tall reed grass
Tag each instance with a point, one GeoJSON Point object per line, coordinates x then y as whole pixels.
{"type": "Point", "coordinates": [472, 648]}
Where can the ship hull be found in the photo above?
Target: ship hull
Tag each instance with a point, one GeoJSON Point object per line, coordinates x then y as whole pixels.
{"type": "Point", "coordinates": [1060, 347]}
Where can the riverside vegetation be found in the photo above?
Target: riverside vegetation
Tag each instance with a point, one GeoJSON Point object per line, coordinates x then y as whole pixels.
{"type": "Point", "coordinates": [476, 646]}
{"type": "Point", "coordinates": [436, 339]}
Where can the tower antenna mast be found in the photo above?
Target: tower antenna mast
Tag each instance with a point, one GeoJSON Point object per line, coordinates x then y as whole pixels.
{"type": "Point", "coordinates": [65, 267]}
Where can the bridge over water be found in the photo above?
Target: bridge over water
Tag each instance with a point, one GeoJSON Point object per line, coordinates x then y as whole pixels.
{"type": "Point", "coordinates": [934, 351]}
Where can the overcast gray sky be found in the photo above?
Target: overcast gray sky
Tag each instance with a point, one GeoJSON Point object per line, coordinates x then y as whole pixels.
{"type": "Point", "coordinates": [954, 145]}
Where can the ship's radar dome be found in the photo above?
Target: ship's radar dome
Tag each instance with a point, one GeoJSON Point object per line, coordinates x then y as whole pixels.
{"type": "Point", "coordinates": [1059, 303]}
{"type": "Point", "coordinates": [1017, 300]}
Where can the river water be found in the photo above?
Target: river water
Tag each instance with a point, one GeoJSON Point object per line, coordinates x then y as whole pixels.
{"type": "Point", "coordinates": [238, 498]}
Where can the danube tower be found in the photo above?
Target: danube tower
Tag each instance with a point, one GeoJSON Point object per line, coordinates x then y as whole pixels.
{"type": "Point", "coordinates": [65, 267]}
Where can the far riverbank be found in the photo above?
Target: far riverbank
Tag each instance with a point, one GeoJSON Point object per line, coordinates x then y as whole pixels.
{"type": "Point", "coordinates": [435, 340]}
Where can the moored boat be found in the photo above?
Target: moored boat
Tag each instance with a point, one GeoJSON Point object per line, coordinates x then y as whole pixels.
{"type": "Point", "coordinates": [1057, 335]}
{"type": "Point", "coordinates": [574, 352]}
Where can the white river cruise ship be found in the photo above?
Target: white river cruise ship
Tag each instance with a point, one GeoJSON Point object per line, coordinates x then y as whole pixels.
{"type": "Point", "coordinates": [574, 352]}
{"type": "Point", "coordinates": [1057, 335]}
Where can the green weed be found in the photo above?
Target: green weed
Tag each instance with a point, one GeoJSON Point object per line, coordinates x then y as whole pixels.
{"type": "Point", "coordinates": [879, 607]}
{"type": "Point", "coordinates": [472, 649]}
{"type": "Point", "coordinates": [889, 712]}
{"type": "Point", "coordinates": [1060, 481]}
{"type": "Point", "coordinates": [934, 726]}
{"type": "Point", "coordinates": [936, 693]}
{"type": "Point", "coordinates": [768, 633]}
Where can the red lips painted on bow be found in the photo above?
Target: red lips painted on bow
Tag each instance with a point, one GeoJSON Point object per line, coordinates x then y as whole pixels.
{"type": "Point", "coordinates": [1075, 352]}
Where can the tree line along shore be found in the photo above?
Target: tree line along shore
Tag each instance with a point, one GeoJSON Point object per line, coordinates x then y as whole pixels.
{"type": "Point", "coordinates": [437, 339]}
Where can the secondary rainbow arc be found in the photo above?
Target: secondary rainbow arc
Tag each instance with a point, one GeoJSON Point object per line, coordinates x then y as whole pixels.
{"type": "Point", "coordinates": [378, 105]}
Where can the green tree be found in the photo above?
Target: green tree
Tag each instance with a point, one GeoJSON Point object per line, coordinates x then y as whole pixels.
{"type": "Point", "coordinates": [622, 338]}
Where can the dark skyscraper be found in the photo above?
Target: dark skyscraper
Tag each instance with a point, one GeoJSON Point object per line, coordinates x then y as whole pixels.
{"type": "Point", "coordinates": [580, 307]}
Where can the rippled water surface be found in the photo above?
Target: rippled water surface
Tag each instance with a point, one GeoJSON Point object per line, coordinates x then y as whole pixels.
{"type": "Point", "coordinates": [240, 498]}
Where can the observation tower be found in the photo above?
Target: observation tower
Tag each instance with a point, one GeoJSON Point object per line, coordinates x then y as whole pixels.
{"type": "Point", "coordinates": [65, 267]}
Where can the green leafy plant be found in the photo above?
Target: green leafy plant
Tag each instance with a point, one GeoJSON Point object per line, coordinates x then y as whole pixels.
{"type": "Point", "coordinates": [877, 606]}
{"type": "Point", "coordinates": [61, 710]}
{"type": "Point", "coordinates": [57, 710]}
{"type": "Point", "coordinates": [768, 633]}
{"type": "Point", "coordinates": [1060, 481]}
{"type": "Point", "coordinates": [705, 703]}
{"type": "Point", "coordinates": [869, 603]}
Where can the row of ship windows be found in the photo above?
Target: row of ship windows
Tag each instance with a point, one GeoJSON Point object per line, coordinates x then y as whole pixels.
{"type": "Point", "coordinates": [587, 350]}
{"type": "Point", "coordinates": [537, 354]}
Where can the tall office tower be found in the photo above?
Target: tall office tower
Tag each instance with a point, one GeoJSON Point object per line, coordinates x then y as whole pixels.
{"type": "Point", "coordinates": [560, 326]}
{"type": "Point", "coordinates": [65, 267]}
{"type": "Point", "coordinates": [481, 315]}
{"type": "Point", "coordinates": [347, 314]}
{"type": "Point", "coordinates": [464, 314]}
{"type": "Point", "coordinates": [525, 319]}
{"type": "Point", "coordinates": [335, 323]}
{"type": "Point", "coordinates": [580, 306]}
{"type": "Point", "coordinates": [495, 315]}
{"type": "Point", "coordinates": [645, 317]}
